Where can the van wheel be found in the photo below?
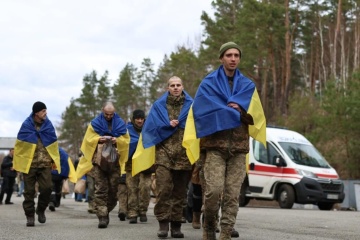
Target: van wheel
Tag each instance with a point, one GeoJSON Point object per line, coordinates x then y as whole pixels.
{"type": "Point", "coordinates": [325, 206]}
{"type": "Point", "coordinates": [243, 200]}
{"type": "Point", "coordinates": [286, 196]}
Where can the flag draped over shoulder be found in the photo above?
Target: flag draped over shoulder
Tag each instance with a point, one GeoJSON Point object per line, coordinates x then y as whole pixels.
{"type": "Point", "coordinates": [210, 113]}
{"type": "Point", "coordinates": [27, 139]}
{"type": "Point", "coordinates": [67, 167]}
{"type": "Point", "coordinates": [97, 128]}
{"type": "Point", "coordinates": [156, 129]}
{"type": "Point", "coordinates": [134, 138]}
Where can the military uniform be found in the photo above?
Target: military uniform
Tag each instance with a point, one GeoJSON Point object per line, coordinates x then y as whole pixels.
{"type": "Point", "coordinates": [106, 186]}
{"type": "Point", "coordinates": [122, 198]}
{"type": "Point", "coordinates": [138, 189]}
{"type": "Point", "coordinates": [225, 156]}
{"type": "Point", "coordinates": [40, 172]}
{"type": "Point", "coordinates": [173, 171]}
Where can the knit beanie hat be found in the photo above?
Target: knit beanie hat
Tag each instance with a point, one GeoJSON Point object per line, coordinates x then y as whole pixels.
{"type": "Point", "coordinates": [138, 114]}
{"type": "Point", "coordinates": [38, 106]}
{"type": "Point", "coordinates": [227, 46]}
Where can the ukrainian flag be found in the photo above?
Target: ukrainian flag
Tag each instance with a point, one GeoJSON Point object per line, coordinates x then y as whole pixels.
{"type": "Point", "coordinates": [210, 113]}
{"type": "Point", "coordinates": [156, 129]}
{"type": "Point", "coordinates": [27, 139]}
{"type": "Point", "coordinates": [67, 167]}
{"type": "Point", "coordinates": [97, 128]}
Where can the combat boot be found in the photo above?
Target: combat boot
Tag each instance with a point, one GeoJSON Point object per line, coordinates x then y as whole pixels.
{"type": "Point", "coordinates": [163, 229]}
{"type": "Point", "coordinates": [30, 221]}
{"type": "Point", "coordinates": [176, 230]}
{"type": "Point", "coordinates": [209, 231]}
{"type": "Point", "coordinates": [41, 216]}
{"type": "Point", "coordinates": [122, 216]}
{"type": "Point", "coordinates": [102, 222]}
{"type": "Point", "coordinates": [209, 234]}
{"type": "Point", "coordinates": [52, 206]}
{"type": "Point", "coordinates": [143, 218]}
{"type": "Point", "coordinates": [196, 220]}
{"type": "Point", "coordinates": [225, 234]}
{"type": "Point", "coordinates": [107, 219]}
{"type": "Point", "coordinates": [234, 233]}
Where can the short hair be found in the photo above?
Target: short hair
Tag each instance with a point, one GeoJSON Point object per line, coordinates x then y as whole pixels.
{"type": "Point", "coordinates": [174, 77]}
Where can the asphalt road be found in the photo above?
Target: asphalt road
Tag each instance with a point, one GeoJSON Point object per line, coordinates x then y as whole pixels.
{"type": "Point", "coordinates": [72, 221]}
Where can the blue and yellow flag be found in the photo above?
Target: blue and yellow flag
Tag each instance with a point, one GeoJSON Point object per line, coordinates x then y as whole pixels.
{"type": "Point", "coordinates": [156, 129]}
{"type": "Point", "coordinates": [210, 113]}
{"type": "Point", "coordinates": [67, 167]}
{"type": "Point", "coordinates": [97, 128]}
{"type": "Point", "coordinates": [134, 139]}
{"type": "Point", "coordinates": [27, 139]}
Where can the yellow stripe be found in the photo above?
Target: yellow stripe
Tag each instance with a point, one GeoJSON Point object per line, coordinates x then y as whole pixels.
{"type": "Point", "coordinates": [23, 155]}
{"type": "Point", "coordinates": [83, 167]}
{"type": "Point", "coordinates": [190, 142]}
{"type": "Point", "coordinates": [258, 130]}
{"type": "Point", "coordinates": [89, 143]}
{"type": "Point", "coordinates": [53, 150]}
{"type": "Point", "coordinates": [72, 173]}
{"type": "Point", "coordinates": [122, 144]}
{"type": "Point", "coordinates": [142, 158]}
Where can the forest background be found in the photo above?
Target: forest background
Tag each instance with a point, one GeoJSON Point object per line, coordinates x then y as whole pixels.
{"type": "Point", "coordinates": [303, 55]}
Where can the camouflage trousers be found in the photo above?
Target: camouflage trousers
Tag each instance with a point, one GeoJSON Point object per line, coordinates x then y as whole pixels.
{"type": "Point", "coordinates": [90, 185]}
{"type": "Point", "coordinates": [138, 188]}
{"type": "Point", "coordinates": [171, 186]}
{"type": "Point", "coordinates": [122, 198]}
{"type": "Point", "coordinates": [106, 186]}
{"type": "Point", "coordinates": [43, 177]}
{"type": "Point", "coordinates": [223, 175]}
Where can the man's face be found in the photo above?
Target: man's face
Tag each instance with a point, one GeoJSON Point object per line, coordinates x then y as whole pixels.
{"type": "Point", "coordinates": [175, 87]}
{"type": "Point", "coordinates": [11, 152]}
{"type": "Point", "coordinates": [231, 59]}
{"type": "Point", "coordinates": [40, 116]}
{"type": "Point", "coordinates": [139, 122]}
{"type": "Point", "coordinates": [108, 114]}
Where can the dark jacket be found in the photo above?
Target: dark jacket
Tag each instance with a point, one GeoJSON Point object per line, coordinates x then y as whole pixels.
{"type": "Point", "coordinates": [6, 167]}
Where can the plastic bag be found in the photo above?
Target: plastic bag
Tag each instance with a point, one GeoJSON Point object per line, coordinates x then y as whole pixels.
{"type": "Point", "coordinates": [80, 186]}
{"type": "Point", "coordinates": [65, 187]}
{"type": "Point", "coordinates": [109, 152]}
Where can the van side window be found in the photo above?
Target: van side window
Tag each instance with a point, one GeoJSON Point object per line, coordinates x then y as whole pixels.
{"type": "Point", "coordinates": [260, 152]}
{"type": "Point", "coordinates": [272, 153]}
{"type": "Point", "coordinates": [263, 155]}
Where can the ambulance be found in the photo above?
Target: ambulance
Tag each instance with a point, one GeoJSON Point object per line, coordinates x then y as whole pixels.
{"type": "Point", "coordinates": [290, 170]}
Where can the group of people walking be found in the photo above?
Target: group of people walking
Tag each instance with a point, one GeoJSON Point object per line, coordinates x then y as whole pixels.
{"type": "Point", "coordinates": [214, 126]}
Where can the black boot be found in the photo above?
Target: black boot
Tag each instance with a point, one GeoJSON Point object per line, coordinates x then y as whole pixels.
{"type": "Point", "coordinates": [41, 216]}
{"type": "Point", "coordinates": [176, 230]}
{"type": "Point", "coordinates": [234, 233]}
{"type": "Point", "coordinates": [30, 221]}
{"type": "Point", "coordinates": [102, 222]}
{"type": "Point", "coordinates": [163, 229]}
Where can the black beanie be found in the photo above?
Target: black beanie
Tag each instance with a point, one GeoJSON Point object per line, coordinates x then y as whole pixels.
{"type": "Point", "coordinates": [138, 114]}
{"type": "Point", "coordinates": [38, 106]}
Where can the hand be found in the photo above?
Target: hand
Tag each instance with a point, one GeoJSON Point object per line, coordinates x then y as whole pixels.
{"type": "Point", "coordinates": [235, 106]}
{"type": "Point", "coordinates": [174, 123]}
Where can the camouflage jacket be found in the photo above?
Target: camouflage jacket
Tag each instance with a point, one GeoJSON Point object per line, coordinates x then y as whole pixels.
{"type": "Point", "coordinates": [170, 152]}
{"type": "Point", "coordinates": [42, 158]}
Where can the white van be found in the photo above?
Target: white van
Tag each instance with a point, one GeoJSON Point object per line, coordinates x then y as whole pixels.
{"type": "Point", "coordinates": [290, 170]}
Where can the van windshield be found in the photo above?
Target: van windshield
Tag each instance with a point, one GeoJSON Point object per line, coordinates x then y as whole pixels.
{"type": "Point", "coordinates": [303, 154]}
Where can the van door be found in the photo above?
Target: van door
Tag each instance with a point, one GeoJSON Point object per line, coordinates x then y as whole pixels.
{"type": "Point", "coordinates": [263, 172]}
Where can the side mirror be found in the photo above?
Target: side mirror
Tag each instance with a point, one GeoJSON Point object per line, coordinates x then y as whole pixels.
{"type": "Point", "coordinates": [279, 161]}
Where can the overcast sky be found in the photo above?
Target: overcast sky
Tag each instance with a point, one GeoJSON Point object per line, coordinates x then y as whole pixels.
{"type": "Point", "coordinates": [46, 47]}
